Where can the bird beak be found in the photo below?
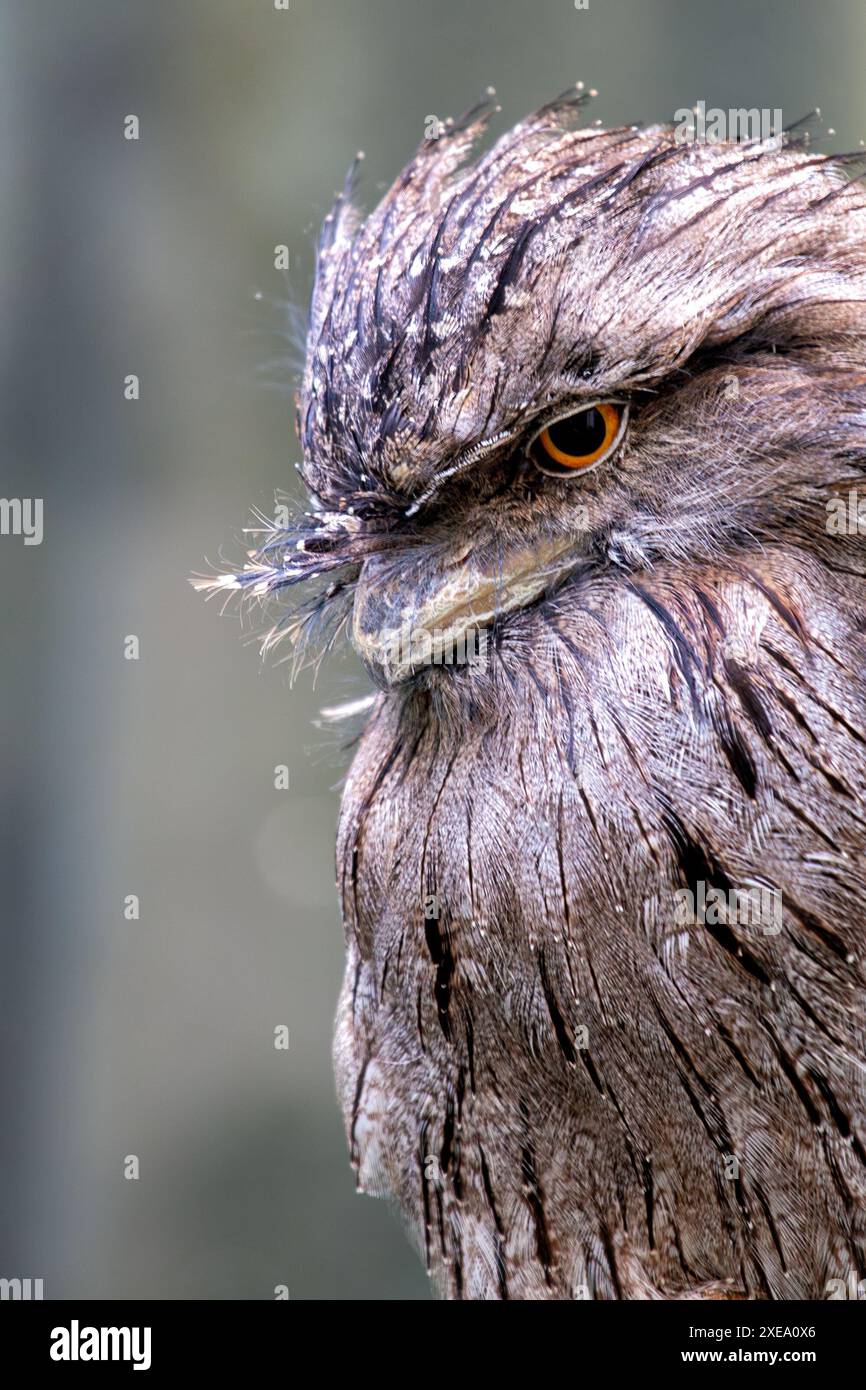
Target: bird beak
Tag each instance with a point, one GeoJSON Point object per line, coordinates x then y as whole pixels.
{"type": "Point", "coordinates": [432, 607]}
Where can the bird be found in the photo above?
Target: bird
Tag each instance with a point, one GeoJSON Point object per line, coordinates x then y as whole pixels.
{"type": "Point", "coordinates": [587, 407]}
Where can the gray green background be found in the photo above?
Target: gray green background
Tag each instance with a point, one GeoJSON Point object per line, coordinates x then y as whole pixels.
{"type": "Point", "coordinates": [155, 777]}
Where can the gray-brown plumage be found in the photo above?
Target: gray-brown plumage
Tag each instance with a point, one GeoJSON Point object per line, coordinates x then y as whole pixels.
{"type": "Point", "coordinates": [569, 1090]}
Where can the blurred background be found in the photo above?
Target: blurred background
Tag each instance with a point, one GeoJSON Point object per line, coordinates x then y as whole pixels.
{"type": "Point", "coordinates": [154, 1036]}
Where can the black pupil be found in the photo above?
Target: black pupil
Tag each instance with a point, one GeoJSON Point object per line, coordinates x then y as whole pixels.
{"type": "Point", "coordinates": [579, 434]}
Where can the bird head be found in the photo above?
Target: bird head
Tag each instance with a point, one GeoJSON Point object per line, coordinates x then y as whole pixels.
{"type": "Point", "coordinates": [586, 351]}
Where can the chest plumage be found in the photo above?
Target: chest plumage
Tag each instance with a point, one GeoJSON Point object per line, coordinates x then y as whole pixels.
{"type": "Point", "coordinates": [602, 1027]}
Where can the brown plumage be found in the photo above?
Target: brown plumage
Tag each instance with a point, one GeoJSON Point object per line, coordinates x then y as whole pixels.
{"type": "Point", "coordinates": [570, 1088]}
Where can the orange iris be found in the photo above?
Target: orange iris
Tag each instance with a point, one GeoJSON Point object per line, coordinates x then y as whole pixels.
{"type": "Point", "coordinates": [581, 439]}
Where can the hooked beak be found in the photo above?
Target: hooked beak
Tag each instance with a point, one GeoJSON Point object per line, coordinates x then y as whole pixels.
{"type": "Point", "coordinates": [433, 606]}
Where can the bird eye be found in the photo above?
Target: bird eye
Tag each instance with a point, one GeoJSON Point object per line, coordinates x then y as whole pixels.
{"type": "Point", "coordinates": [577, 442]}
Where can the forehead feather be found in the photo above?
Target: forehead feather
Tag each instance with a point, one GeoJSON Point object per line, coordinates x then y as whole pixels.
{"type": "Point", "coordinates": [562, 258]}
